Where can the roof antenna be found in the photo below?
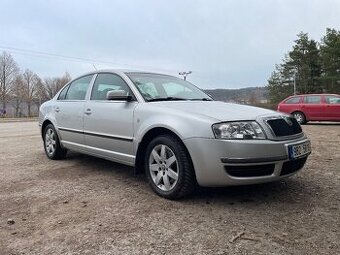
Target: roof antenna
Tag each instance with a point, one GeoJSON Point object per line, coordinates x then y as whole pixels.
{"type": "Point", "coordinates": [95, 68]}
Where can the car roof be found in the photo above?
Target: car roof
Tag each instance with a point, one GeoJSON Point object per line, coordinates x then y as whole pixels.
{"type": "Point", "coordinates": [121, 71]}
{"type": "Point", "coordinates": [321, 94]}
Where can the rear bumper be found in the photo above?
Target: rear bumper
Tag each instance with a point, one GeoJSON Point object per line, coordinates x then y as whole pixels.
{"type": "Point", "coordinates": [241, 162]}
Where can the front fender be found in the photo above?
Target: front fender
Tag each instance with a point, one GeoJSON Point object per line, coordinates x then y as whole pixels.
{"type": "Point", "coordinates": [184, 125]}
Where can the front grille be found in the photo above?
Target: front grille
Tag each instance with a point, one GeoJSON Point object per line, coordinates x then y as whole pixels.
{"type": "Point", "coordinates": [250, 170]}
{"type": "Point", "coordinates": [284, 127]}
{"type": "Point", "coordinates": [293, 166]}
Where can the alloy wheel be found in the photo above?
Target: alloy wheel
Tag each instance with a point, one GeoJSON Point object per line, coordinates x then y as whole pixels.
{"type": "Point", "coordinates": [163, 167]}
{"type": "Point", "coordinates": [50, 141]}
{"type": "Point", "coordinates": [298, 117]}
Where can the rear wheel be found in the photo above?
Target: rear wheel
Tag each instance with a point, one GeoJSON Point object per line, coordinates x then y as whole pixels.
{"type": "Point", "coordinates": [168, 167]}
{"type": "Point", "coordinates": [52, 145]}
{"type": "Point", "coordinates": [300, 117]}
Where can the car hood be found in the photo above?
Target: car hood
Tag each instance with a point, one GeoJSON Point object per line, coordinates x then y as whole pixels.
{"type": "Point", "coordinates": [220, 111]}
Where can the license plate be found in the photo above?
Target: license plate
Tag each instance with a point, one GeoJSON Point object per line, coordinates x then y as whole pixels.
{"type": "Point", "coordinates": [299, 150]}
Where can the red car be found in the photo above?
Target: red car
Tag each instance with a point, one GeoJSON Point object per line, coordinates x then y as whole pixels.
{"type": "Point", "coordinates": [310, 107]}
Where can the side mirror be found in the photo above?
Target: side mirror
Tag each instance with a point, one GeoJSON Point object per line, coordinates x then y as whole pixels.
{"type": "Point", "coordinates": [118, 95]}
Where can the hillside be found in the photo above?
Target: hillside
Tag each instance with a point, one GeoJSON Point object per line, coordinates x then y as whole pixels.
{"type": "Point", "coordinates": [251, 95]}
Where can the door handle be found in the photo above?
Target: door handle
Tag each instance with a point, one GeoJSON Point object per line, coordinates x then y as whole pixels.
{"type": "Point", "coordinates": [88, 111]}
{"type": "Point", "coordinates": [57, 109]}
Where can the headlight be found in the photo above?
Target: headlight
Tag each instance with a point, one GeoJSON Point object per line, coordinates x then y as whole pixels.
{"type": "Point", "coordinates": [238, 130]}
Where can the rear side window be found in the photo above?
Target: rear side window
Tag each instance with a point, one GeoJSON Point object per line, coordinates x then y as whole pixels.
{"type": "Point", "coordinates": [293, 100]}
{"type": "Point", "coordinates": [313, 99]}
{"type": "Point", "coordinates": [332, 100]}
{"type": "Point", "coordinates": [62, 94]}
{"type": "Point", "coordinates": [106, 82]}
{"type": "Point", "coordinates": [78, 88]}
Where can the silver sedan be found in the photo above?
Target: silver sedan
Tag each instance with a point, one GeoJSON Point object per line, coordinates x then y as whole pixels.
{"type": "Point", "coordinates": [172, 131]}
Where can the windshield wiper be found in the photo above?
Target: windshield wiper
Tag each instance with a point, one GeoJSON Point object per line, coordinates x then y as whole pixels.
{"type": "Point", "coordinates": [201, 99]}
{"type": "Point", "coordinates": [166, 99]}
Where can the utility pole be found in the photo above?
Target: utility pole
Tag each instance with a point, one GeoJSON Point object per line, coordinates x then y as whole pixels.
{"type": "Point", "coordinates": [185, 74]}
{"type": "Point", "coordinates": [294, 83]}
{"type": "Point", "coordinates": [295, 72]}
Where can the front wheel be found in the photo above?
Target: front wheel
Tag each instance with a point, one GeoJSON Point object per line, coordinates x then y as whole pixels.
{"type": "Point", "coordinates": [52, 145]}
{"type": "Point", "coordinates": [169, 168]}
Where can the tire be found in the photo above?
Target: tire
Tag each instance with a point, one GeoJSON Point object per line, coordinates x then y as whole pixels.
{"type": "Point", "coordinates": [168, 168]}
{"type": "Point", "coordinates": [300, 117]}
{"type": "Point", "coordinates": [52, 144]}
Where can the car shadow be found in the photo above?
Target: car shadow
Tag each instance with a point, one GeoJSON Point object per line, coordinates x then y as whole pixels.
{"type": "Point", "coordinates": [90, 163]}
{"type": "Point", "coordinates": [322, 123]}
{"type": "Point", "coordinates": [284, 190]}
{"type": "Point", "coordinates": [290, 190]}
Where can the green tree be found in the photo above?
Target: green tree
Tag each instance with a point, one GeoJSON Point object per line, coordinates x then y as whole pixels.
{"type": "Point", "coordinates": [301, 65]}
{"type": "Point", "coordinates": [278, 86]}
{"type": "Point", "coordinates": [304, 62]}
{"type": "Point", "coordinates": [330, 60]}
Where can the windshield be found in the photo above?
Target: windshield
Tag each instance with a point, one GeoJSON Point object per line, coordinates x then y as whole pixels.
{"type": "Point", "coordinates": [156, 87]}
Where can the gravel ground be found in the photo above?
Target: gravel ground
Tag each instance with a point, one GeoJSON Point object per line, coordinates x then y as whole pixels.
{"type": "Point", "coordinates": [84, 205]}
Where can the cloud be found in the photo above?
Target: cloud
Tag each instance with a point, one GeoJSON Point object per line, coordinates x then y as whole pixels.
{"type": "Point", "coordinates": [224, 43]}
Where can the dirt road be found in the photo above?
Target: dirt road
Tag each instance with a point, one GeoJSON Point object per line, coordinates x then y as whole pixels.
{"type": "Point", "coordinates": [83, 205]}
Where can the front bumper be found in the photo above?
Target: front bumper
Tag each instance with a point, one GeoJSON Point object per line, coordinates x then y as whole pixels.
{"type": "Point", "coordinates": [239, 162]}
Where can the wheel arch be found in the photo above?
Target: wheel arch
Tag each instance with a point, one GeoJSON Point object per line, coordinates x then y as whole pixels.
{"type": "Point", "coordinates": [44, 125]}
{"type": "Point", "coordinates": [304, 114]}
{"type": "Point", "coordinates": [148, 136]}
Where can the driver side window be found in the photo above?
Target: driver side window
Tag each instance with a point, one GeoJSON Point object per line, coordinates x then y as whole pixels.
{"type": "Point", "coordinates": [106, 82]}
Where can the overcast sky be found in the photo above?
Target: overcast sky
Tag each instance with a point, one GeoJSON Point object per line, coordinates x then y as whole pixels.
{"type": "Point", "coordinates": [227, 44]}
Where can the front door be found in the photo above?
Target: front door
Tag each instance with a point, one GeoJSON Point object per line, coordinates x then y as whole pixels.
{"type": "Point", "coordinates": [108, 125]}
{"type": "Point", "coordinates": [313, 108]}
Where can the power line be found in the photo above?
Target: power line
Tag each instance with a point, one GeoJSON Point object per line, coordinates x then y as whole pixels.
{"type": "Point", "coordinates": [76, 59]}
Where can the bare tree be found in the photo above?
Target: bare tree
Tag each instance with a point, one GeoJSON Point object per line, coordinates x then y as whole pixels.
{"type": "Point", "coordinates": [8, 72]}
{"type": "Point", "coordinates": [49, 85]}
{"type": "Point", "coordinates": [30, 81]}
{"type": "Point", "coordinates": [40, 93]}
{"type": "Point", "coordinates": [53, 85]}
{"type": "Point", "coordinates": [17, 94]}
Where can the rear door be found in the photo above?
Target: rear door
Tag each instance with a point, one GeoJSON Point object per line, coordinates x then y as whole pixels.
{"type": "Point", "coordinates": [69, 112]}
{"type": "Point", "coordinates": [332, 107]}
{"type": "Point", "coordinates": [313, 108]}
{"type": "Point", "coordinates": [108, 125]}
